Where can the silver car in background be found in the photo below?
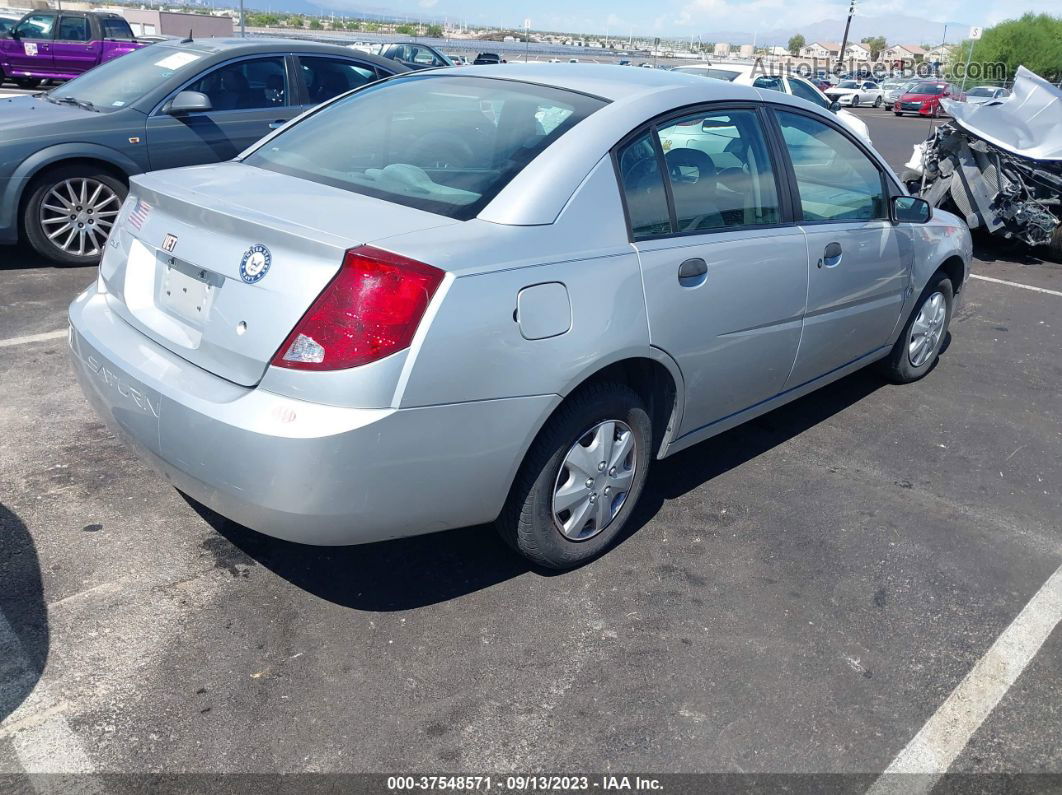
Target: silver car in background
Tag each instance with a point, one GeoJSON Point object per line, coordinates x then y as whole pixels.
{"type": "Point", "coordinates": [498, 294]}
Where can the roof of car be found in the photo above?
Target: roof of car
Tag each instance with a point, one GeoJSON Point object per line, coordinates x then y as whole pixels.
{"type": "Point", "coordinates": [608, 81]}
{"type": "Point", "coordinates": [230, 45]}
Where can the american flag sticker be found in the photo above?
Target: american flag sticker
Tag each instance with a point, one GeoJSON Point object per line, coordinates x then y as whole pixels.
{"type": "Point", "coordinates": [138, 217]}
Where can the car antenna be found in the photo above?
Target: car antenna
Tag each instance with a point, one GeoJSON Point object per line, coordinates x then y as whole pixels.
{"type": "Point", "coordinates": [189, 39]}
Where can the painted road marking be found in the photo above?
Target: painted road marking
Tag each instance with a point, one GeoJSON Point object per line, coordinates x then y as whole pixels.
{"type": "Point", "coordinates": [47, 335]}
{"type": "Point", "coordinates": [931, 752]}
{"type": "Point", "coordinates": [48, 746]}
{"type": "Point", "coordinates": [1016, 284]}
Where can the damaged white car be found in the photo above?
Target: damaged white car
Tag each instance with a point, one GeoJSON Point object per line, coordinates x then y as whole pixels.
{"type": "Point", "coordinates": [999, 164]}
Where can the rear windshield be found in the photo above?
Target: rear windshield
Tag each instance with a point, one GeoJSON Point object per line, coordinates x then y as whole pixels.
{"type": "Point", "coordinates": [718, 74]}
{"type": "Point", "coordinates": [927, 88]}
{"type": "Point", "coordinates": [443, 144]}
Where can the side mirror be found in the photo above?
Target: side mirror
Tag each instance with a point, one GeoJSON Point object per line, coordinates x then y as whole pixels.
{"type": "Point", "coordinates": [910, 210]}
{"type": "Point", "coordinates": [188, 102]}
{"type": "Point", "coordinates": [835, 106]}
{"type": "Point", "coordinates": [15, 34]}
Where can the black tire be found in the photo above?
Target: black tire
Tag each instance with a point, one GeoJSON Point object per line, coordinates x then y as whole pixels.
{"type": "Point", "coordinates": [26, 82]}
{"type": "Point", "coordinates": [878, 102]}
{"type": "Point", "coordinates": [1054, 248]}
{"type": "Point", "coordinates": [526, 522]}
{"type": "Point", "coordinates": [897, 113]}
{"type": "Point", "coordinates": [897, 367]}
{"type": "Point", "coordinates": [38, 191]}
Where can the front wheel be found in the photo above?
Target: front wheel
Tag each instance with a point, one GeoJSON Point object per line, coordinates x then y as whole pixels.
{"type": "Point", "coordinates": [70, 213]}
{"type": "Point", "coordinates": [897, 113]}
{"type": "Point", "coordinates": [27, 82]}
{"type": "Point", "coordinates": [579, 482]}
{"type": "Point", "coordinates": [877, 102]}
{"type": "Point", "coordinates": [917, 349]}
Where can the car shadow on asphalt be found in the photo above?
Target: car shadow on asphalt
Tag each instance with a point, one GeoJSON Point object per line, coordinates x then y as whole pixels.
{"type": "Point", "coordinates": [414, 572]}
{"type": "Point", "coordinates": [22, 257]}
{"type": "Point", "coordinates": [24, 633]}
{"type": "Point", "coordinates": [992, 248]}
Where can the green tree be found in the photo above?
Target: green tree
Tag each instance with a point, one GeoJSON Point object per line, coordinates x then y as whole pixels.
{"type": "Point", "coordinates": [435, 31]}
{"type": "Point", "coordinates": [295, 22]}
{"type": "Point", "coordinates": [1034, 41]}
{"type": "Point", "coordinates": [315, 24]}
{"type": "Point", "coordinates": [796, 43]}
{"type": "Point", "coordinates": [875, 44]}
{"type": "Point", "coordinates": [406, 30]}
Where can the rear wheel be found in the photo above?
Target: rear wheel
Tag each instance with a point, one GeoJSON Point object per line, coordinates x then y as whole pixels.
{"type": "Point", "coordinates": [70, 212]}
{"type": "Point", "coordinates": [581, 478]}
{"type": "Point", "coordinates": [919, 344]}
{"type": "Point", "coordinates": [27, 82]}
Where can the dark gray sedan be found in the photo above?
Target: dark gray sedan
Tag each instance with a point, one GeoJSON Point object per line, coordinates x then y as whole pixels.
{"type": "Point", "coordinates": [66, 155]}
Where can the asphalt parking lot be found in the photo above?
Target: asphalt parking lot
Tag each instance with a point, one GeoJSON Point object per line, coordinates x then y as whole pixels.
{"type": "Point", "coordinates": [801, 594]}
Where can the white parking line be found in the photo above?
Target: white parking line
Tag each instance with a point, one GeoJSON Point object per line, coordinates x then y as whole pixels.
{"type": "Point", "coordinates": [1016, 284]}
{"type": "Point", "coordinates": [931, 752]}
{"type": "Point", "coordinates": [46, 747]}
{"type": "Point", "coordinates": [47, 335]}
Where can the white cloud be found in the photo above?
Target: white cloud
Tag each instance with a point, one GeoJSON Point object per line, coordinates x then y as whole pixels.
{"type": "Point", "coordinates": [427, 3]}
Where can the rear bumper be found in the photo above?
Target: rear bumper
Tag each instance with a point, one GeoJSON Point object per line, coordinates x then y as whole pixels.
{"type": "Point", "coordinates": [292, 469]}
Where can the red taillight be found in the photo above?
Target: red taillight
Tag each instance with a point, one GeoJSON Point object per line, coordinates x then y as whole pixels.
{"type": "Point", "coordinates": [368, 311]}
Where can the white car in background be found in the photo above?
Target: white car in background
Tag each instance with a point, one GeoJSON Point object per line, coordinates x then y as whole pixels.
{"type": "Point", "coordinates": [786, 83]}
{"type": "Point", "coordinates": [985, 94]}
{"type": "Point", "coordinates": [856, 92]}
{"type": "Point", "coordinates": [892, 90]}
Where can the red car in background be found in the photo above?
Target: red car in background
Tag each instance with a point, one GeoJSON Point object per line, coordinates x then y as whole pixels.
{"type": "Point", "coordinates": [924, 98]}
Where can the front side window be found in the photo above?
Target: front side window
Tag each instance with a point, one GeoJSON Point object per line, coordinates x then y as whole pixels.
{"type": "Point", "coordinates": [245, 85]}
{"type": "Point", "coordinates": [720, 171]}
{"type": "Point", "coordinates": [36, 27]}
{"type": "Point", "coordinates": [439, 143]}
{"type": "Point", "coordinates": [837, 182]}
{"type": "Point", "coordinates": [73, 29]}
{"type": "Point", "coordinates": [808, 92]}
{"type": "Point", "coordinates": [643, 188]}
{"type": "Point", "coordinates": [329, 77]}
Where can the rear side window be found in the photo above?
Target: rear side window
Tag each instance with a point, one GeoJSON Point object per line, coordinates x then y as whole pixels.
{"type": "Point", "coordinates": [643, 188]}
{"type": "Point", "coordinates": [116, 29]}
{"type": "Point", "coordinates": [73, 29]}
{"type": "Point", "coordinates": [439, 143]}
{"type": "Point", "coordinates": [329, 77]}
{"type": "Point", "coordinates": [772, 82]}
{"type": "Point", "coordinates": [720, 172]}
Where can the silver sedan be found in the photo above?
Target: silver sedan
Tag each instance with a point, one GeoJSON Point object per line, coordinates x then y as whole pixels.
{"type": "Point", "coordinates": [497, 294]}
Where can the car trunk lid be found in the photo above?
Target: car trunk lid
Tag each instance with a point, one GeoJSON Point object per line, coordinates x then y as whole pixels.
{"type": "Point", "coordinates": [219, 263]}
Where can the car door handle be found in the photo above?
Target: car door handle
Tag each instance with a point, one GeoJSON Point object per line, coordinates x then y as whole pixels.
{"type": "Point", "coordinates": [692, 272]}
{"type": "Point", "coordinates": [276, 125]}
{"type": "Point", "coordinates": [831, 257]}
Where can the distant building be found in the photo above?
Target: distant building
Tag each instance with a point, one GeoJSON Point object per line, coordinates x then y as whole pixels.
{"type": "Point", "coordinates": [746, 50]}
{"type": "Point", "coordinates": [938, 55]}
{"type": "Point", "coordinates": [777, 51]}
{"type": "Point", "coordinates": [722, 49]}
{"type": "Point", "coordinates": [858, 51]}
{"type": "Point", "coordinates": [151, 22]}
{"type": "Point", "coordinates": [820, 50]}
{"type": "Point", "coordinates": [903, 52]}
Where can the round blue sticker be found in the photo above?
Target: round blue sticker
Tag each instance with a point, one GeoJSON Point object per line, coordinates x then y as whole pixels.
{"type": "Point", "coordinates": [255, 263]}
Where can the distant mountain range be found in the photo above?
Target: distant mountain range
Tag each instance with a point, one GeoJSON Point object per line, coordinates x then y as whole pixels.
{"type": "Point", "coordinates": [895, 28]}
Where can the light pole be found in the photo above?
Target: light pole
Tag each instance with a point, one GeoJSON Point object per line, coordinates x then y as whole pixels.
{"type": "Point", "coordinates": [844, 41]}
{"type": "Point", "coordinates": [243, 23]}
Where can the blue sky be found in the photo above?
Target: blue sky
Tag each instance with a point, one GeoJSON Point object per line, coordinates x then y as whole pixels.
{"type": "Point", "coordinates": [685, 17]}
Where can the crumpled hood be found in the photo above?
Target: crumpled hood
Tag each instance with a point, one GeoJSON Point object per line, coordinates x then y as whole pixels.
{"type": "Point", "coordinates": [1027, 124]}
